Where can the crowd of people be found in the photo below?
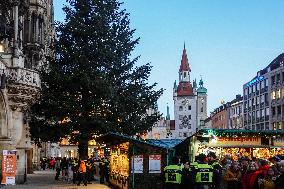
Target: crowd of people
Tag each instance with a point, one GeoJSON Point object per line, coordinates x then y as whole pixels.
{"type": "Point", "coordinates": [77, 170]}
{"type": "Point", "coordinates": [209, 173]}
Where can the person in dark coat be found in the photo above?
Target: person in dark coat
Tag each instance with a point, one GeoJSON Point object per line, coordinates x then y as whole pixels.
{"type": "Point", "coordinates": [187, 177]}
{"type": "Point", "coordinates": [280, 180]}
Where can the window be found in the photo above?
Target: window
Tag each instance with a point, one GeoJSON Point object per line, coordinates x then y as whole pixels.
{"type": "Point", "coordinates": [262, 126]}
{"type": "Point", "coordinates": [180, 117]}
{"type": "Point", "coordinates": [257, 114]}
{"type": "Point", "coordinates": [189, 116]}
{"type": "Point", "coordinates": [184, 134]}
{"type": "Point", "coordinates": [257, 127]}
{"type": "Point", "coordinates": [180, 134]}
{"type": "Point", "coordinates": [257, 100]}
{"type": "Point", "coordinates": [249, 102]}
{"type": "Point", "coordinates": [262, 113]}
{"type": "Point", "coordinates": [253, 127]}
{"type": "Point", "coordinates": [262, 98]}
{"type": "Point", "coordinates": [249, 89]}
{"type": "Point", "coordinates": [257, 86]}
{"type": "Point", "coordinates": [180, 108]}
{"type": "Point", "coordinates": [278, 95]}
{"type": "Point", "coordinates": [184, 74]}
{"type": "Point", "coordinates": [253, 102]}
{"type": "Point", "coordinates": [253, 88]}
{"type": "Point", "coordinates": [278, 78]}
{"type": "Point", "coordinates": [189, 107]}
{"type": "Point", "coordinates": [273, 80]}
{"type": "Point", "coordinates": [273, 111]}
{"type": "Point", "coordinates": [273, 95]}
{"type": "Point", "coordinates": [201, 109]}
{"type": "Point", "coordinates": [180, 126]}
{"type": "Point", "coordinates": [278, 110]}
{"type": "Point", "coordinates": [274, 126]}
{"type": "Point", "coordinates": [246, 91]}
{"type": "Point", "coordinates": [267, 126]}
{"type": "Point", "coordinates": [262, 83]}
{"type": "Point", "coordinates": [189, 126]}
{"type": "Point", "coordinates": [282, 91]}
{"type": "Point", "coordinates": [267, 111]}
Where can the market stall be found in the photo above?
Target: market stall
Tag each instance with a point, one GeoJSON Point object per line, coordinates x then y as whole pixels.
{"type": "Point", "coordinates": [234, 143]}
{"type": "Point", "coordinates": [136, 163]}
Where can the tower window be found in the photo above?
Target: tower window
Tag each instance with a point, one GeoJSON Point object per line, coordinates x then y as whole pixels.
{"type": "Point", "coordinates": [201, 110]}
{"type": "Point", "coordinates": [189, 107]}
{"type": "Point", "coordinates": [180, 108]}
{"type": "Point", "coordinates": [184, 75]}
{"type": "Point", "coordinates": [189, 117]}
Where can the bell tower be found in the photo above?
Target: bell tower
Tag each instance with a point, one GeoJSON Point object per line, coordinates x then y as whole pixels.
{"type": "Point", "coordinates": [184, 101]}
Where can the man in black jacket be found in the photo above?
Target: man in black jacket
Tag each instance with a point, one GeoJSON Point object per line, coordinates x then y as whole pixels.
{"type": "Point", "coordinates": [187, 177]}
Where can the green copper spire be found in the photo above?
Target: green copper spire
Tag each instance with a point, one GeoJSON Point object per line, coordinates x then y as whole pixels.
{"type": "Point", "coordinates": [168, 113]}
{"type": "Point", "coordinates": [201, 88]}
{"type": "Point", "coordinates": [175, 85]}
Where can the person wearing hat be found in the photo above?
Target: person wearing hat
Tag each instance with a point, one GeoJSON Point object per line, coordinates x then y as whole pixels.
{"type": "Point", "coordinates": [217, 170]}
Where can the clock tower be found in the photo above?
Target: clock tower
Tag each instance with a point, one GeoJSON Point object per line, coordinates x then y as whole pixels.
{"type": "Point", "coordinates": [185, 102]}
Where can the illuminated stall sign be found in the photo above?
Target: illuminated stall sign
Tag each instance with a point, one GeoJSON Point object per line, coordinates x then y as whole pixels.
{"type": "Point", "coordinates": [256, 80]}
{"type": "Point", "coordinates": [235, 141]}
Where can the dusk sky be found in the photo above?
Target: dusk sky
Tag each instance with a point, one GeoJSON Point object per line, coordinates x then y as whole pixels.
{"type": "Point", "coordinates": [227, 41]}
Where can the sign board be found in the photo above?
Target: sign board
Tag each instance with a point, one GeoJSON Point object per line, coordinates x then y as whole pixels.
{"type": "Point", "coordinates": [137, 164]}
{"type": "Point", "coordinates": [9, 167]}
{"type": "Point", "coordinates": [278, 142]}
{"type": "Point", "coordinates": [154, 163]}
{"type": "Point", "coordinates": [235, 141]}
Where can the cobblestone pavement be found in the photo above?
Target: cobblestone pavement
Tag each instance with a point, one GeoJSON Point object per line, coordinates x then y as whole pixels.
{"type": "Point", "coordinates": [45, 180]}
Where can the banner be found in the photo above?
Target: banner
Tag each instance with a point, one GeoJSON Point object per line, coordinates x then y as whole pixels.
{"type": "Point", "coordinates": [154, 163]}
{"type": "Point", "coordinates": [9, 167]}
{"type": "Point", "coordinates": [137, 164]}
{"type": "Point", "coordinates": [235, 141]}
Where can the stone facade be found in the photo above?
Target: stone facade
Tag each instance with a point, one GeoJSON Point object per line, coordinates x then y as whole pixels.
{"type": "Point", "coordinates": [263, 98]}
{"type": "Point", "coordinates": [235, 113]}
{"type": "Point", "coordinates": [26, 35]}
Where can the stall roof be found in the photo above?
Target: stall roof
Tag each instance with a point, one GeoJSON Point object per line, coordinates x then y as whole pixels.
{"type": "Point", "coordinates": [116, 138]}
{"type": "Point", "coordinates": [167, 143]}
{"type": "Point", "coordinates": [232, 132]}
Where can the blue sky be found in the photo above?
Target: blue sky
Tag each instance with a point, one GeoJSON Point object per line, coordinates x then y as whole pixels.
{"type": "Point", "coordinates": [227, 41]}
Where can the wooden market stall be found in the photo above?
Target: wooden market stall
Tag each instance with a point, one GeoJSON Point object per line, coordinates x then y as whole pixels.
{"type": "Point", "coordinates": [136, 163]}
{"type": "Point", "coordinates": [235, 143]}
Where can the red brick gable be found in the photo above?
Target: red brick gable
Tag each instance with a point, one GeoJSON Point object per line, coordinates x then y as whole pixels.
{"type": "Point", "coordinates": [184, 89]}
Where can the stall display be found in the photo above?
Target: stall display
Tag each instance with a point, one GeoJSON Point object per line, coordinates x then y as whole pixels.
{"type": "Point", "coordinates": [237, 143]}
{"type": "Point", "coordinates": [119, 165]}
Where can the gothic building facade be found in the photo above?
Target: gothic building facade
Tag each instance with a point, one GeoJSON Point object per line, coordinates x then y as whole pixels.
{"type": "Point", "coordinates": [190, 102]}
{"type": "Point", "coordinates": [26, 38]}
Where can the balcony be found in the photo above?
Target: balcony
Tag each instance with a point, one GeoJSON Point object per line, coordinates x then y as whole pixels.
{"type": "Point", "coordinates": [23, 76]}
{"type": "Point", "coordinates": [23, 86]}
